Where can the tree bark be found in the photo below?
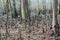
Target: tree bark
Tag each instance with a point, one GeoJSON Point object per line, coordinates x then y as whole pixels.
{"type": "Point", "coordinates": [7, 11]}
{"type": "Point", "coordinates": [14, 7]}
{"type": "Point", "coordinates": [55, 12]}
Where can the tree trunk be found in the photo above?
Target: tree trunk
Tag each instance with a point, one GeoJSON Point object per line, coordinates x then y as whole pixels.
{"type": "Point", "coordinates": [7, 12]}
{"type": "Point", "coordinates": [14, 7]}
{"type": "Point", "coordinates": [4, 6]}
{"type": "Point", "coordinates": [0, 36]}
{"type": "Point", "coordinates": [55, 12]}
{"type": "Point", "coordinates": [22, 9]}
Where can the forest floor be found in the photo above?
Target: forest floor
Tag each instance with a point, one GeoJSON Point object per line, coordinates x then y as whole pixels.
{"type": "Point", "coordinates": [30, 30]}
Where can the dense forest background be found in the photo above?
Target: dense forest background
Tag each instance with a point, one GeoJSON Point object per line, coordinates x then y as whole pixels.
{"type": "Point", "coordinates": [29, 19]}
{"type": "Point", "coordinates": [33, 5]}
